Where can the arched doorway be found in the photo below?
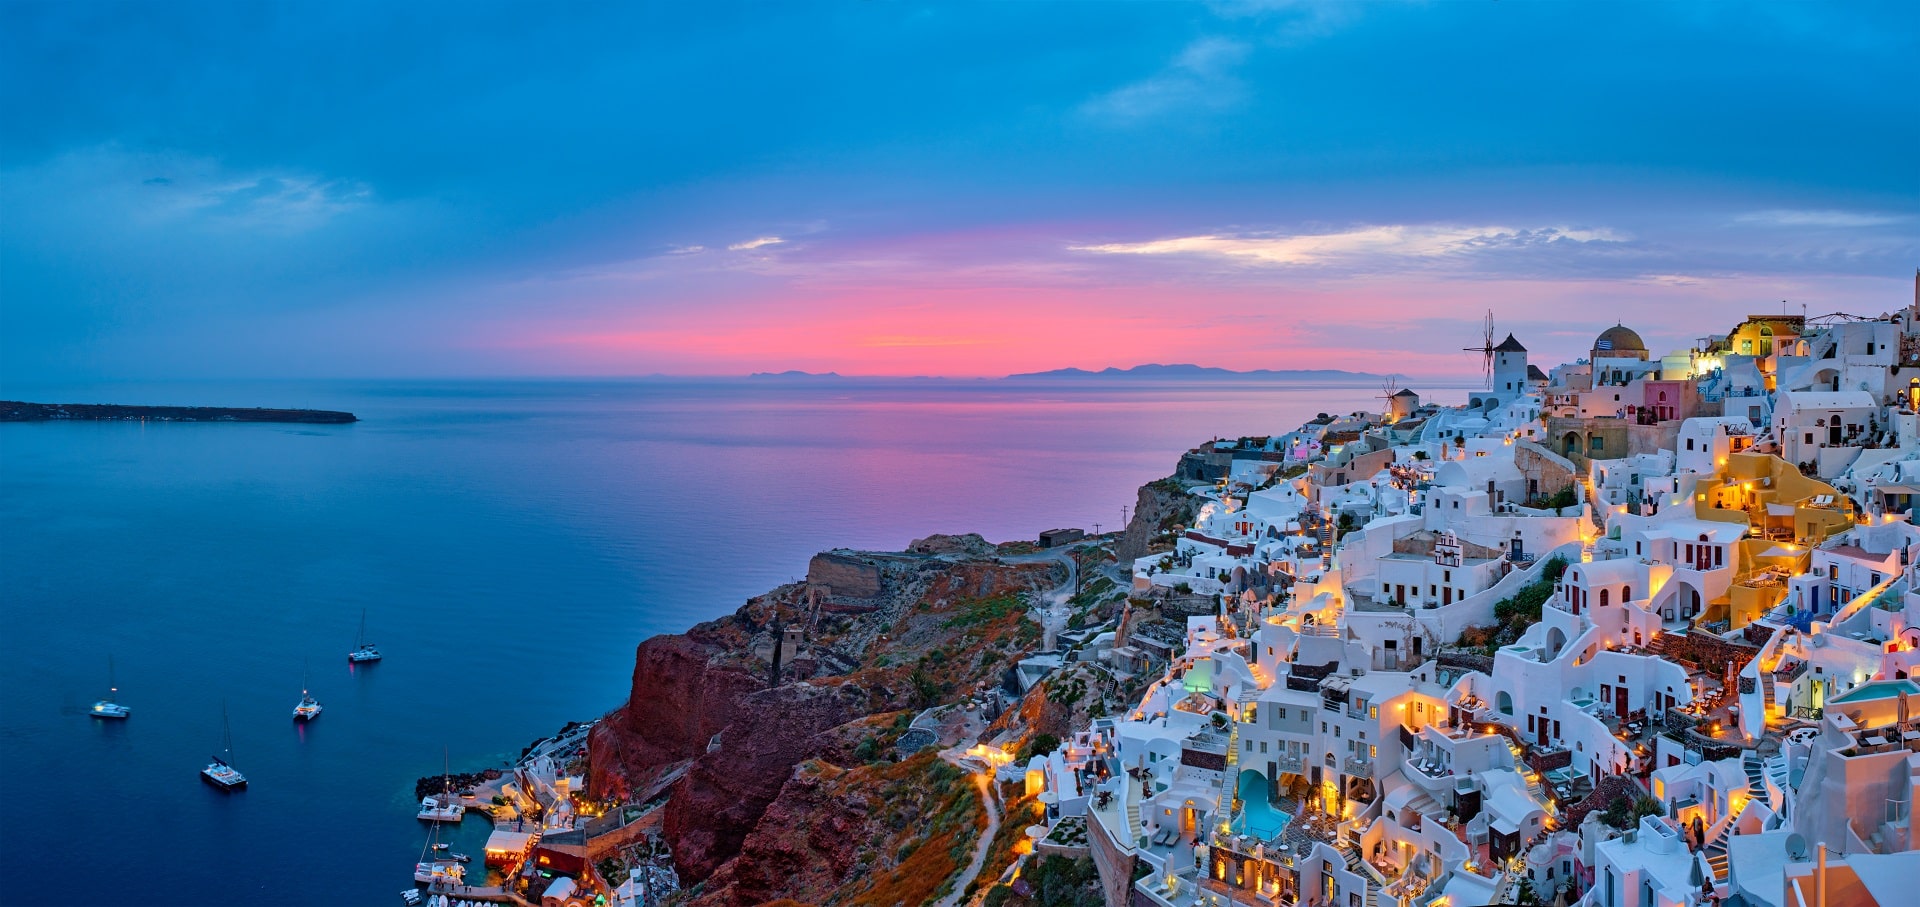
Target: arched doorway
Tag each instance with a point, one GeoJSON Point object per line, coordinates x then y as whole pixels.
{"type": "Point", "coordinates": [1504, 702]}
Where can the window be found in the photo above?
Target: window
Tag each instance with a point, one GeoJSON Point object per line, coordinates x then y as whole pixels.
{"type": "Point", "coordinates": [1283, 712]}
{"type": "Point", "coordinates": [1373, 752]}
{"type": "Point", "coordinates": [1626, 593]}
{"type": "Point", "coordinates": [1336, 731]}
{"type": "Point", "coordinates": [1373, 712]}
{"type": "Point", "coordinates": [1689, 443]}
{"type": "Point", "coordinates": [1249, 746]}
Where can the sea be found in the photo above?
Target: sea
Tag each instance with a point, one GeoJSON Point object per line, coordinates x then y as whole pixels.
{"type": "Point", "coordinates": [509, 543]}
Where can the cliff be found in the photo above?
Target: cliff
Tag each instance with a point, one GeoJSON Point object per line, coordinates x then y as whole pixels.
{"type": "Point", "coordinates": [1159, 506]}
{"type": "Point", "coordinates": [702, 720]}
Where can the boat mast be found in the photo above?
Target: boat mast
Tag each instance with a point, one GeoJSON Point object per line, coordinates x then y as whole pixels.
{"type": "Point", "coordinates": [226, 733]}
{"type": "Point", "coordinates": [111, 687]}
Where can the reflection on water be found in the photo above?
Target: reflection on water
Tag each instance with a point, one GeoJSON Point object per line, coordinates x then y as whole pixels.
{"type": "Point", "coordinates": [511, 543]}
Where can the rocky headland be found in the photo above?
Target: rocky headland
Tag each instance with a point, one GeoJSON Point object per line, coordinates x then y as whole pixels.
{"type": "Point", "coordinates": [19, 411]}
{"type": "Point", "coordinates": [805, 782]}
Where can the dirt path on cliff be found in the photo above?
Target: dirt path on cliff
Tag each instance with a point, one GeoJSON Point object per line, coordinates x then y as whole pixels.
{"type": "Point", "coordinates": [983, 785]}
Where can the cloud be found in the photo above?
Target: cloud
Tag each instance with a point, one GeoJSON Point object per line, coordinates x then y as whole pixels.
{"type": "Point", "coordinates": [755, 243]}
{"type": "Point", "coordinates": [1371, 243]}
{"type": "Point", "coordinates": [1295, 20]}
{"type": "Point", "coordinates": [1201, 75]}
{"type": "Point", "coordinates": [1781, 217]}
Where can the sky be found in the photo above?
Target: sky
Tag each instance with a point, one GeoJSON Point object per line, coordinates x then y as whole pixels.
{"type": "Point", "coordinates": [269, 190]}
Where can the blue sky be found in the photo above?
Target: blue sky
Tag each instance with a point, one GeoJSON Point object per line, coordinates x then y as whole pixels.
{"type": "Point", "coordinates": [264, 190]}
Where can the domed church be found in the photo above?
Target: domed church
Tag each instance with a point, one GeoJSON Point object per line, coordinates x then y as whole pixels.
{"type": "Point", "coordinates": [1619, 342]}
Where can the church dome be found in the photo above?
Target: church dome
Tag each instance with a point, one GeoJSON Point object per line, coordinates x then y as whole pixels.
{"type": "Point", "coordinates": [1619, 339]}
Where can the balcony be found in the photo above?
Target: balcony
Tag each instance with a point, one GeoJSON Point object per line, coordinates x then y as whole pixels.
{"type": "Point", "coordinates": [1359, 766]}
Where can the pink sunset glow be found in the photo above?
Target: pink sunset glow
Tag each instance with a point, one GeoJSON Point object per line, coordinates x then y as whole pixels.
{"type": "Point", "coordinates": [993, 303]}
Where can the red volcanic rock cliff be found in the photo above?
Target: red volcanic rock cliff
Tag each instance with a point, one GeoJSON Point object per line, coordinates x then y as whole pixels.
{"type": "Point", "coordinates": [681, 698]}
{"type": "Point", "coordinates": [700, 705]}
{"type": "Point", "coordinates": [723, 795]}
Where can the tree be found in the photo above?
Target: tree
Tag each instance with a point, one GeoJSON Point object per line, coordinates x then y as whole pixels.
{"type": "Point", "coordinates": [1039, 745]}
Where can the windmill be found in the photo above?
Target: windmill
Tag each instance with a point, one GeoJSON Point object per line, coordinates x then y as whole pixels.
{"type": "Point", "coordinates": [1391, 387]}
{"type": "Point", "coordinates": [1485, 349]}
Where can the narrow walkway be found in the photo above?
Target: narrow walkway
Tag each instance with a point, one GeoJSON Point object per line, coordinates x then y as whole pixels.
{"type": "Point", "coordinates": [983, 785]}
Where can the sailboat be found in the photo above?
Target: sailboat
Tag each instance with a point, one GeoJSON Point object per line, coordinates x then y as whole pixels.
{"type": "Point", "coordinates": [363, 650]}
{"type": "Point", "coordinates": [446, 807]}
{"type": "Point", "coordinates": [309, 707]}
{"type": "Point", "coordinates": [438, 870]}
{"type": "Point", "coordinates": [220, 772]}
{"type": "Point", "coordinates": [106, 707]}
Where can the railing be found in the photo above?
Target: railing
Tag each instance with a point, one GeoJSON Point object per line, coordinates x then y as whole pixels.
{"type": "Point", "coordinates": [1362, 767]}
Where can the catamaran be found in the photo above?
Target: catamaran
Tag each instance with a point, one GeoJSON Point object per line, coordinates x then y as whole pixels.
{"type": "Point", "coordinates": [363, 650]}
{"type": "Point", "coordinates": [438, 870]}
{"type": "Point", "coordinates": [220, 772]}
{"type": "Point", "coordinates": [446, 807]}
{"type": "Point", "coordinates": [309, 707]}
{"type": "Point", "coordinates": [106, 707]}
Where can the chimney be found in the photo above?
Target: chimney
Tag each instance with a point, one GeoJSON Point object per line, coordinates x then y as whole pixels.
{"type": "Point", "coordinates": [1820, 880]}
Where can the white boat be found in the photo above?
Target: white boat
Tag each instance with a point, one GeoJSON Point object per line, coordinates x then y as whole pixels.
{"type": "Point", "coordinates": [309, 707]}
{"type": "Point", "coordinates": [220, 773]}
{"type": "Point", "coordinates": [363, 651]}
{"type": "Point", "coordinates": [434, 809]}
{"type": "Point", "coordinates": [106, 707]}
{"type": "Point", "coordinates": [439, 872]}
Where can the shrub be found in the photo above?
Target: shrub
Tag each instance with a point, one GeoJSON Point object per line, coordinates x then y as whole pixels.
{"type": "Point", "coordinates": [1039, 745]}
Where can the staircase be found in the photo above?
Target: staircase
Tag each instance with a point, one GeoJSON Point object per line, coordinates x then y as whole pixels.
{"type": "Point", "coordinates": [1766, 693]}
{"type": "Point", "coordinates": [1778, 773]}
{"type": "Point", "coordinates": [1756, 778]}
{"type": "Point", "coordinates": [1326, 541]}
{"type": "Point", "coordinates": [1593, 504]}
{"type": "Point", "coordinates": [1134, 827]}
{"type": "Point", "coordinates": [1366, 872]}
{"type": "Point", "coordinates": [1716, 850]}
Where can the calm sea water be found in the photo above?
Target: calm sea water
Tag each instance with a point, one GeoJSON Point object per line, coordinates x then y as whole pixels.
{"type": "Point", "coordinates": [511, 544]}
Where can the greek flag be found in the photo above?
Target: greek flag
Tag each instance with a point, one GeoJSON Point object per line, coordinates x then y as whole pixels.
{"type": "Point", "coordinates": [1603, 344]}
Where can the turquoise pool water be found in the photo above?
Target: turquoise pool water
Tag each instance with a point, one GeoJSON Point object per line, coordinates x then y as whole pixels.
{"type": "Point", "coordinates": [1257, 816]}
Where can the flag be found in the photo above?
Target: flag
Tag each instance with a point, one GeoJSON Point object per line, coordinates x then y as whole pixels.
{"type": "Point", "coordinates": [1603, 344]}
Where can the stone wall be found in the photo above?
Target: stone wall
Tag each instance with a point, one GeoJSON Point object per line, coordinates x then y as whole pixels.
{"type": "Point", "coordinates": [1547, 473]}
{"type": "Point", "coordinates": [1114, 865]}
{"type": "Point", "coordinates": [844, 575]}
{"type": "Point", "coordinates": [1709, 652]}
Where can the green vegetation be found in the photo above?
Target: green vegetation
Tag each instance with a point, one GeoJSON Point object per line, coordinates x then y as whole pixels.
{"type": "Point", "coordinates": [1565, 497]}
{"type": "Point", "coordinates": [1626, 812]}
{"type": "Point", "coordinates": [1039, 744]}
{"type": "Point", "coordinates": [1513, 615]}
{"type": "Point", "coordinates": [1052, 882]}
{"type": "Point", "coordinates": [985, 610]}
